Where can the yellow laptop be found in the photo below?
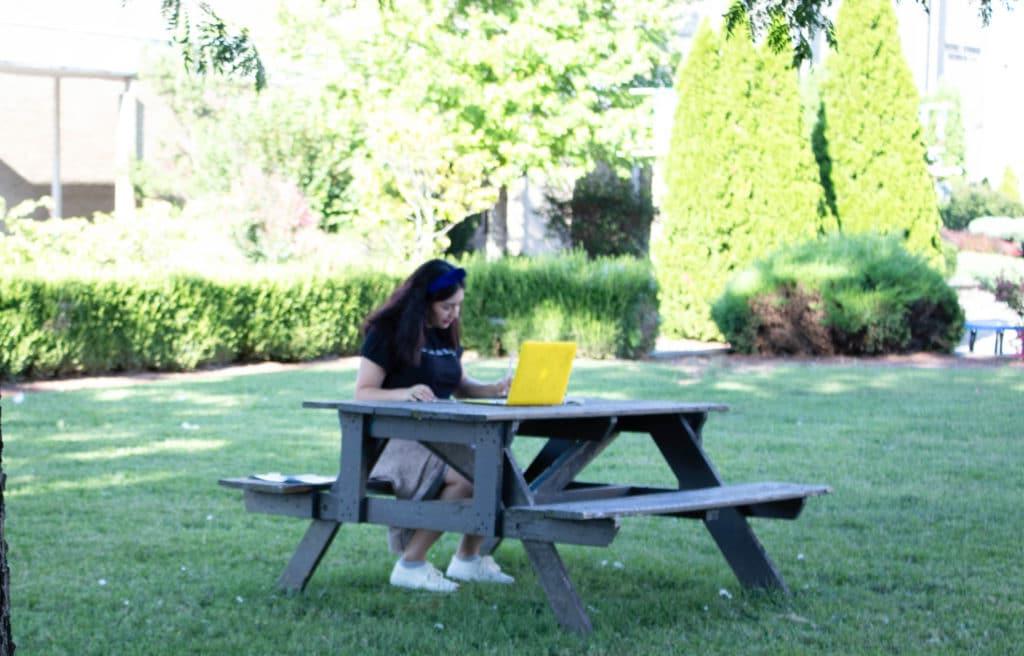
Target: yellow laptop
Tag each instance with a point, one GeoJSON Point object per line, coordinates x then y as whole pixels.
{"type": "Point", "coordinates": [542, 375]}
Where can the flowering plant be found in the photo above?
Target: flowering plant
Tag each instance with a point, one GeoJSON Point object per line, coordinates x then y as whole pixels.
{"type": "Point", "coordinates": [1011, 292]}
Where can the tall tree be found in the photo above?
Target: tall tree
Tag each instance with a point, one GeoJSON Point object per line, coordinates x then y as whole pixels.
{"type": "Point", "coordinates": [516, 86]}
{"type": "Point", "coordinates": [208, 44]}
{"type": "Point", "coordinates": [873, 138]}
{"type": "Point", "coordinates": [693, 186]}
{"type": "Point", "coordinates": [740, 176]}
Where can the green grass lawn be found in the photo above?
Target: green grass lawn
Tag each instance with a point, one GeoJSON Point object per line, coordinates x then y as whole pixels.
{"type": "Point", "coordinates": [121, 542]}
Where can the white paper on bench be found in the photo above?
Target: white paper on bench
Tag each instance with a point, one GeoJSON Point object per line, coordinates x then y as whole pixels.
{"type": "Point", "coordinates": [294, 479]}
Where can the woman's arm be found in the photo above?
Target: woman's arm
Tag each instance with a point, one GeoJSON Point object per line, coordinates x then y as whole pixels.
{"type": "Point", "coordinates": [369, 382]}
{"type": "Point", "coordinates": [472, 388]}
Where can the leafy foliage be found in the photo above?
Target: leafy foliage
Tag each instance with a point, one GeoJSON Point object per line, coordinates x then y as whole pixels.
{"type": "Point", "coordinates": [227, 131]}
{"type": "Point", "coordinates": [856, 295]}
{"type": "Point", "coordinates": [970, 201]}
{"type": "Point", "coordinates": [786, 23]}
{"type": "Point", "coordinates": [422, 111]}
{"type": "Point", "coordinates": [59, 327]}
{"type": "Point", "coordinates": [207, 44]}
{"type": "Point", "coordinates": [740, 176]}
{"type": "Point", "coordinates": [607, 215]}
{"type": "Point", "coordinates": [609, 306]}
{"type": "Point", "coordinates": [1011, 292]}
{"type": "Point", "coordinates": [872, 143]}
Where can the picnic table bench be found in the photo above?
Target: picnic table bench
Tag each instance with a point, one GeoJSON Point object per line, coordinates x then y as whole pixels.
{"type": "Point", "coordinates": [541, 505]}
{"type": "Point", "coordinates": [998, 326]}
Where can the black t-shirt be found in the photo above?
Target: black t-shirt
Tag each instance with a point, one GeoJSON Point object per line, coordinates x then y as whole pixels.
{"type": "Point", "coordinates": [440, 364]}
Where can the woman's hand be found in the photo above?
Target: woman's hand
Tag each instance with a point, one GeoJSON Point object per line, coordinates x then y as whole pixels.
{"type": "Point", "coordinates": [502, 386]}
{"type": "Point", "coordinates": [421, 393]}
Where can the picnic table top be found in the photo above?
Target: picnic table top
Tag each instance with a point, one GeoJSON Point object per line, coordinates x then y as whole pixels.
{"type": "Point", "coordinates": [993, 324]}
{"type": "Point", "coordinates": [454, 410]}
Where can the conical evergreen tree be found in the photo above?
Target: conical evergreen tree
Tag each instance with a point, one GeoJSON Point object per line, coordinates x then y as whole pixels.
{"type": "Point", "coordinates": [873, 138]}
{"type": "Point", "coordinates": [681, 250]}
{"type": "Point", "coordinates": [1010, 186]}
{"type": "Point", "coordinates": [741, 178]}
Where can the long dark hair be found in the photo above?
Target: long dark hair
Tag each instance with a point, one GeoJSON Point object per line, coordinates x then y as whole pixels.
{"type": "Point", "coordinates": [403, 317]}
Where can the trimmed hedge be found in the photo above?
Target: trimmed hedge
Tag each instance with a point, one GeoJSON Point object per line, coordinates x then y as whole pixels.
{"type": "Point", "coordinates": [55, 328]}
{"type": "Point", "coordinates": [609, 306]}
{"type": "Point", "coordinates": [862, 295]}
{"type": "Point", "coordinates": [58, 328]}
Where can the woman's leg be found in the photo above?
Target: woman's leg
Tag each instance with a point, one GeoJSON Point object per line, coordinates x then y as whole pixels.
{"type": "Point", "coordinates": [455, 487]}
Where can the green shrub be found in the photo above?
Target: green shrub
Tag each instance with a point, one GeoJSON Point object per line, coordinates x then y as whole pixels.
{"type": "Point", "coordinates": [850, 295]}
{"type": "Point", "coordinates": [62, 327]}
{"type": "Point", "coordinates": [606, 216]}
{"type": "Point", "coordinates": [968, 202]}
{"type": "Point", "coordinates": [66, 327]}
{"type": "Point", "coordinates": [609, 306]}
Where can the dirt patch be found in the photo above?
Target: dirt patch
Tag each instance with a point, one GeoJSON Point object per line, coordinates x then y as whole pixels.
{"type": "Point", "coordinates": [791, 322]}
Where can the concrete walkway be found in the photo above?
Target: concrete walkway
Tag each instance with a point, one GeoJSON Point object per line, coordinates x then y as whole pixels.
{"type": "Point", "coordinates": [979, 304]}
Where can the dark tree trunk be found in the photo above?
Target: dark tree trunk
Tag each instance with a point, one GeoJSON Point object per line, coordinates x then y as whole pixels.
{"type": "Point", "coordinates": [6, 639]}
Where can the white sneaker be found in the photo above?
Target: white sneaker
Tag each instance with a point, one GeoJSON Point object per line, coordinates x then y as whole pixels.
{"type": "Point", "coordinates": [481, 568]}
{"type": "Point", "coordinates": [425, 577]}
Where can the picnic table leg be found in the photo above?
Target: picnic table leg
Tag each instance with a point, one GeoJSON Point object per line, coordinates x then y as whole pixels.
{"type": "Point", "coordinates": [678, 439]}
{"type": "Point", "coordinates": [308, 554]}
{"type": "Point", "coordinates": [550, 452]}
{"type": "Point", "coordinates": [550, 569]}
{"type": "Point", "coordinates": [558, 462]}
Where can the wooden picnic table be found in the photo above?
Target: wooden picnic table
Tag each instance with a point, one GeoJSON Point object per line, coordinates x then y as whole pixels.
{"type": "Point", "coordinates": [541, 505]}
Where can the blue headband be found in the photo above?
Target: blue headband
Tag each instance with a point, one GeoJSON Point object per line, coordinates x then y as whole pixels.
{"type": "Point", "coordinates": [449, 278]}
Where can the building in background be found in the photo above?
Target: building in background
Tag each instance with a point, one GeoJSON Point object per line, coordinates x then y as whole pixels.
{"type": "Point", "coordinates": [71, 115]}
{"type": "Point", "coordinates": [947, 47]}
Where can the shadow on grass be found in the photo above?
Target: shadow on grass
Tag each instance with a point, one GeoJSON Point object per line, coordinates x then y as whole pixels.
{"type": "Point", "coordinates": [916, 536]}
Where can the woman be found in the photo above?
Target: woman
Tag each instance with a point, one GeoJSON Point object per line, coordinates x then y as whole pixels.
{"type": "Point", "coordinates": [411, 352]}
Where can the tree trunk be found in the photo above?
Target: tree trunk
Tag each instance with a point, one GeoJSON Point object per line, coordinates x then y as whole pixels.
{"type": "Point", "coordinates": [497, 226]}
{"type": "Point", "coordinates": [6, 639]}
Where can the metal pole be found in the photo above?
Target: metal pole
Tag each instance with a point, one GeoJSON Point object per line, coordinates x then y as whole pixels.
{"type": "Point", "coordinates": [125, 147]}
{"type": "Point", "coordinates": [55, 186]}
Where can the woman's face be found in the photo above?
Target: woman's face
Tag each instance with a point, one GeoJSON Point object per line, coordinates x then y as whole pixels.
{"type": "Point", "coordinates": [444, 312]}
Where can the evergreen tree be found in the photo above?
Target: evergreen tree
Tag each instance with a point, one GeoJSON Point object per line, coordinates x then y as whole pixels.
{"type": "Point", "coordinates": [740, 177]}
{"type": "Point", "coordinates": [692, 184]}
{"type": "Point", "coordinates": [873, 139]}
{"type": "Point", "coordinates": [1010, 186]}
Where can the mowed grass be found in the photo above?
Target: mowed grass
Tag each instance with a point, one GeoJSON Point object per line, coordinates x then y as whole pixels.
{"type": "Point", "coordinates": [121, 542]}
